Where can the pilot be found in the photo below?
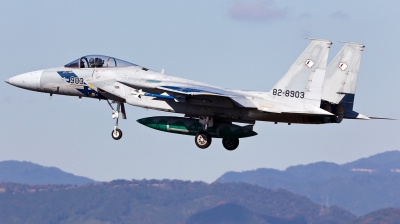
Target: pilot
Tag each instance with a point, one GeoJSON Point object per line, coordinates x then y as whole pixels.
{"type": "Point", "coordinates": [98, 62]}
{"type": "Point", "coordinates": [91, 63]}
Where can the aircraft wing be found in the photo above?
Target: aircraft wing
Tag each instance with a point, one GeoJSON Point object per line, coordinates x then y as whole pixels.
{"type": "Point", "coordinates": [192, 90]}
{"type": "Point", "coordinates": [238, 99]}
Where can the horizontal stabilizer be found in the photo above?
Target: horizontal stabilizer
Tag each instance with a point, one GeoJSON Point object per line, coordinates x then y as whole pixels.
{"type": "Point", "coordinates": [382, 118]}
{"type": "Point", "coordinates": [349, 114]}
{"type": "Point", "coordinates": [363, 117]}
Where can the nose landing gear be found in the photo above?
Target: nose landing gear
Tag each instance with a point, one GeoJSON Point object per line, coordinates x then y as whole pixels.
{"type": "Point", "coordinates": [116, 134]}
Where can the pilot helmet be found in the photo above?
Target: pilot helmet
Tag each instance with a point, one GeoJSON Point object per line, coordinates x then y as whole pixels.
{"type": "Point", "coordinates": [98, 62]}
{"type": "Point", "coordinates": [91, 62]}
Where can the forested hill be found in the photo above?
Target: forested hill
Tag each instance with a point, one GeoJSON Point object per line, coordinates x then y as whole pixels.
{"type": "Point", "coordinates": [30, 173]}
{"type": "Point", "coordinates": [361, 186]}
{"type": "Point", "coordinates": [382, 216]}
{"type": "Point", "coordinates": [166, 201]}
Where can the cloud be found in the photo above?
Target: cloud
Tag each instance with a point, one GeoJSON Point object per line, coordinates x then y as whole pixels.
{"type": "Point", "coordinates": [257, 11]}
{"type": "Point", "coordinates": [340, 15]}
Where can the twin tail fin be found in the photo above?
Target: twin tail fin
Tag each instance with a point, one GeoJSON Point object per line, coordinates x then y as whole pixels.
{"type": "Point", "coordinates": [302, 83]}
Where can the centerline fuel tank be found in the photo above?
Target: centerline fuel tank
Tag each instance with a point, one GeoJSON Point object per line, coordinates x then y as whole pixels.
{"type": "Point", "coordinates": [191, 126]}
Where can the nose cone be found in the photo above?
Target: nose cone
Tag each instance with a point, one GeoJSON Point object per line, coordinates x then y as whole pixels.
{"type": "Point", "coordinates": [30, 80]}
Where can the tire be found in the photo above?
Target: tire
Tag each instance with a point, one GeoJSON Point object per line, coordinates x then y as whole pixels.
{"type": "Point", "coordinates": [117, 134]}
{"type": "Point", "coordinates": [203, 139]}
{"type": "Point", "coordinates": [230, 143]}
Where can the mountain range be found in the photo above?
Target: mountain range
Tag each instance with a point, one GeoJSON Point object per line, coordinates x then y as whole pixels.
{"type": "Point", "coordinates": [362, 186]}
{"type": "Point", "coordinates": [30, 173]}
{"type": "Point", "coordinates": [166, 201]}
{"type": "Point", "coordinates": [30, 193]}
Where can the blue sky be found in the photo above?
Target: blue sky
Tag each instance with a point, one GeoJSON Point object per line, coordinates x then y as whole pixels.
{"type": "Point", "coordinates": [245, 45]}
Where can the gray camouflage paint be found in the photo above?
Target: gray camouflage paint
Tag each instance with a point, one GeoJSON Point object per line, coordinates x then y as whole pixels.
{"type": "Point", "coordinates": [130, 85]}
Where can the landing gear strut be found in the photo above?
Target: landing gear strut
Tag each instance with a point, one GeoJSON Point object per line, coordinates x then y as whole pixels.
{"type": "Point", "coordinates": [230, 143]}
{"type": "Point", "coordinates": [116, 134]}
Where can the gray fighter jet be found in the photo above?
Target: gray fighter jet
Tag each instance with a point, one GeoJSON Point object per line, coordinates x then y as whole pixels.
{"type": "Point", "coordinates": [310, 92]}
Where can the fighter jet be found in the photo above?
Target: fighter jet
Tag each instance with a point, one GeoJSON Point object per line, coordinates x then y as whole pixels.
{"type": "Point", "coordinates": [310, 92]}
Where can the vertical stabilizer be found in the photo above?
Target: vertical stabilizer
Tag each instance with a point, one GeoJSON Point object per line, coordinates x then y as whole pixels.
{"type": "Point", "coordinates": [341, 76]}
{"type": "Point", "coordinates": [302, 83]}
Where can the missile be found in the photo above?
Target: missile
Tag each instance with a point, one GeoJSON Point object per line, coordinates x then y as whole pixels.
{"type": "Point", "coordinates": [191, 126]}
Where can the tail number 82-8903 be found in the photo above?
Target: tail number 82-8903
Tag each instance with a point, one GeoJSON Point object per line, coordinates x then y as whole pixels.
{"type": "Point", "coordinates": [287, 93]}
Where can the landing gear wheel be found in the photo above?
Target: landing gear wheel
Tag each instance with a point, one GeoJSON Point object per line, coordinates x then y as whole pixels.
{"type": "Point", "coordinates": [116, 134]}
{"type": "Point", "coordinates": [230, 143]}
{"type": "Point", "coordinates": [203, 139]}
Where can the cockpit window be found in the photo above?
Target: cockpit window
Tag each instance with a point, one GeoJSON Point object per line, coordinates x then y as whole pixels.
{"type": "Point", "coordinates": [98, 61]}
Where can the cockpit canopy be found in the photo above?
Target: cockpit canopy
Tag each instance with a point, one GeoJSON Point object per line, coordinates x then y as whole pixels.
{"type": "Point", "coordinates": [98, 61]}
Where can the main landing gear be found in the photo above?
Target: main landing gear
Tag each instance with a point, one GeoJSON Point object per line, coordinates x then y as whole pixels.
{"type": "Point", "coordinates": [116, 133]}
{"type": "Point", "coordinates": [203, 139]}
{"type": "Point", "coordinates": [230, 143]}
